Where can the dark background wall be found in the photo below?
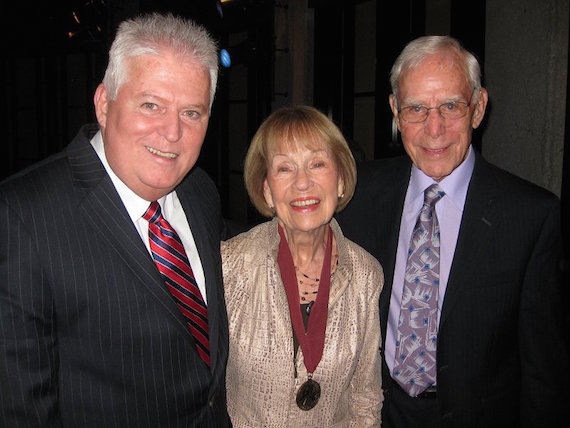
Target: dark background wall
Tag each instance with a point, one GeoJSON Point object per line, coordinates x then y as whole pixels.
{"type": "Point", "coordinates": [333, 54]}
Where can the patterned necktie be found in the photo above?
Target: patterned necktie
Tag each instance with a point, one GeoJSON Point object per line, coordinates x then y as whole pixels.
{"type": "Point", "coordinates": [172, 263]}
{"type": "Point", "coordinates": [416, 342]}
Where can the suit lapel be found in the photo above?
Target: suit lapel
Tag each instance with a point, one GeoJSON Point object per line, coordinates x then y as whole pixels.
{"type": "Point", "coordinates": [479, 218]}
{"type": "Point", "coordinates": [201, 222]}
{"type": "Point", "coordinates": [104, 211]}
{"type": "Point", "coordinates": [391, 203]}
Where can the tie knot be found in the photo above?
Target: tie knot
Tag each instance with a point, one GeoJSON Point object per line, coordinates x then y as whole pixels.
{"type": "Point", "coordinates": [433, 194]}
{"type": "Point", "coordinates": [152, 214]}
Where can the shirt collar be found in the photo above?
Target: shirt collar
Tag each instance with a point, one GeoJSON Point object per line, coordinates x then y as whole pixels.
{"type": "Point", "coordinates": [135, 205]}
{"type": "Point", "coordinates": [454, 185]}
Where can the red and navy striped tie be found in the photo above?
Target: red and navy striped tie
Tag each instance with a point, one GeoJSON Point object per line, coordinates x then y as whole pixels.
{"type": "Point", "coordinates": [172, 263]}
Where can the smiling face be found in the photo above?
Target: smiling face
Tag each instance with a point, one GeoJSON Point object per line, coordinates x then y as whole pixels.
{"type": "Point", "coordinates": [153, 131]}
{"type": "Point", "coordinates": [303, 184]}
{"type": "Point", "coordinates": [438, 146]}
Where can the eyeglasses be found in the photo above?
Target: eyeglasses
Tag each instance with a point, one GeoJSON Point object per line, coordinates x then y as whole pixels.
{"type": "Point", "coordinates": [450, 110]}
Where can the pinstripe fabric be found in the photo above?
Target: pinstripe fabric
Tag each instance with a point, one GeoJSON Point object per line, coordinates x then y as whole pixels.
{"type": "Point", "coordinates": [89, 336]}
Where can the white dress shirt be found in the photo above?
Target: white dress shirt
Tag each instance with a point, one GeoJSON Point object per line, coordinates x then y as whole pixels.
{"type": "Point", "coordinates": [171, 209]}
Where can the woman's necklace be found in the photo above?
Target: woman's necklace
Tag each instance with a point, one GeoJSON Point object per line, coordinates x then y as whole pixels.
{"type": "Point", "coordinates": [308, 285]}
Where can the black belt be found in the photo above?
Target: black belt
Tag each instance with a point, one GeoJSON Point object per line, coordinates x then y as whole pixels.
{"type": "Point", "coordinates": [429, 393]}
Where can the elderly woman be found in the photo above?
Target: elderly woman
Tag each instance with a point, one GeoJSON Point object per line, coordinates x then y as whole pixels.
{"type": "Point", "coordinates": [302, 299]}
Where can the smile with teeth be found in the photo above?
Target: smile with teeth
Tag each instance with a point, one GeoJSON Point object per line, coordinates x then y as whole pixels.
{"type": "Point", "coordinates": [305, 203]}
{"type": "Point", "coordinates": [159, 153]}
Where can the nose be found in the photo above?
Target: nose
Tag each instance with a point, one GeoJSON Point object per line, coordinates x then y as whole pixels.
{"type": "Point", "coordinates": [171, 128]}
{"type": "Point", "coordinates": [302, 179]}
{"type": "Point", "coordinates": [435, 124]}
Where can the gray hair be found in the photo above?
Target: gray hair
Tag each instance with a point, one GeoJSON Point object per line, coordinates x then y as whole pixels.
{"type": "Point", "coordinates": [417, 50]}
{"type": "Point", "coordinates": [151, 33]}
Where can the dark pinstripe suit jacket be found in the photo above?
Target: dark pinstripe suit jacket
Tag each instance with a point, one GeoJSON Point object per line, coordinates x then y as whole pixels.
{"type": "Point", "coordinates": [501, 357]}
{"type": "Point", "coordinates": [89, 336]}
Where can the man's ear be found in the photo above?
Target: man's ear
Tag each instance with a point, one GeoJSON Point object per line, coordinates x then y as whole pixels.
{"type": "Point", "coordinates": [100, 101]}
{"type": "Point", "coordinates": [480, 107]}
{"type": "Point", "coordinates": [394, 108]}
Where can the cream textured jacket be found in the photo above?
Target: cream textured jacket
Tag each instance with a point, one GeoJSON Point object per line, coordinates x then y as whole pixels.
{"type": "Point", "coordinates": [262, 378]}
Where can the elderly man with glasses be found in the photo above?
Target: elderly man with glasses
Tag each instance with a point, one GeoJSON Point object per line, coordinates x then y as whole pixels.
{"type": "Point", "coordinates": [470, 312]}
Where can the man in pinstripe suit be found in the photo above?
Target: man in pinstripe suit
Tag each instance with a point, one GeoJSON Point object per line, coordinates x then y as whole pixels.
{"type": "Point", "coordinates": [89, 334]}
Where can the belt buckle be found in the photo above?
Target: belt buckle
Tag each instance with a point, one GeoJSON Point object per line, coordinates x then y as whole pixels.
{"type": "Point", "coordinates": [430, 392]}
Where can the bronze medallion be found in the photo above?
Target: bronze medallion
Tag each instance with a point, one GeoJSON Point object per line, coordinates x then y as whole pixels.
{"type": "Point", "coordinates": [308, 395]}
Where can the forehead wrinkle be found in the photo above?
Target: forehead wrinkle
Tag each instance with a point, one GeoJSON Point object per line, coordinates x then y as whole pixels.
{"type": "Point", "coordinates": [440, 63]}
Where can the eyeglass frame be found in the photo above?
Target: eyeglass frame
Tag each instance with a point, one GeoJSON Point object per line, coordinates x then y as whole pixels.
{"type": "Point", "coordinates": [428, 109]}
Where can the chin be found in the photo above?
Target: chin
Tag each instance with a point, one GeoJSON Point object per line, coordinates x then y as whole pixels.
{"type": "Point", "coordinates": [435, 169]}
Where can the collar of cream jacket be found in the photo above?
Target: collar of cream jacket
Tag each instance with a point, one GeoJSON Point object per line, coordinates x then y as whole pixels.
{"type": "Point", "coordinates": [268, 239]}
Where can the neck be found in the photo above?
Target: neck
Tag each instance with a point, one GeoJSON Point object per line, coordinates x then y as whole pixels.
{"type": "Point", "coordinates": [308, 248]}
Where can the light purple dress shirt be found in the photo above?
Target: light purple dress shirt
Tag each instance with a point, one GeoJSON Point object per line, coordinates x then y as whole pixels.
{"type": "Point", "coordinates": [449, 212]}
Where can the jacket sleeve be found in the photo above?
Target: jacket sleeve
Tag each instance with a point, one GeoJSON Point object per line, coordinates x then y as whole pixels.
{"type": "Point", "coordinates": [544, 356]}
{"type": "Point", "coordinates": [28, 351]}
{"type": "Point", "coordinates": [366, 384]}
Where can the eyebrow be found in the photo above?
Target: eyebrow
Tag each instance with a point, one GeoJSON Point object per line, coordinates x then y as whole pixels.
{"type": "Point", "coordinates": [412, 102]}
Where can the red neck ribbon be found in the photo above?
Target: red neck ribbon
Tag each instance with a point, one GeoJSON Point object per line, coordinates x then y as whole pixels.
{"type": "Point", "coordinates": [312, 341]}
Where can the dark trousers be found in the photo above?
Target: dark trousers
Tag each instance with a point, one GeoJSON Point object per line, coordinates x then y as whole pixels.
{"type": "Point", "coordinates": [402, 411]}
